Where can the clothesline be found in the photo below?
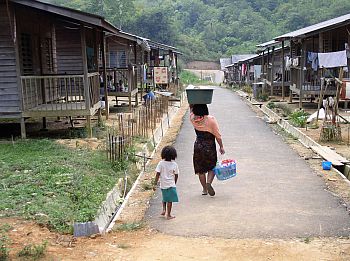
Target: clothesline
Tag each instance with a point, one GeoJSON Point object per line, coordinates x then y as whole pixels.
{"type": "Point", "coordinates": [327, 60]}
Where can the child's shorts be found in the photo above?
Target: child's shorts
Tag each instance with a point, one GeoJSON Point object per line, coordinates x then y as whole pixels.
{"type": "Point", "coordinates": [170, 195]}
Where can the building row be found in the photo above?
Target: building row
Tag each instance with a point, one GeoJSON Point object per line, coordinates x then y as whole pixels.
{"type": "Point", "coordinates": [56, 61]}
{"type": "Point", "coordinates": [297, 64]}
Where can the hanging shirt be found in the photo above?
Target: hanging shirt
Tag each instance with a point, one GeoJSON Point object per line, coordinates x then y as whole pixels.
{"type": "Point", "coordinates": [288, 62]}
{"type": "Point", "coordinates": [244, 69]}
{"type": "Point", "coordinates": [333, 59]}
{"type": "Point", "coordinates": [257, 71]}
{"type": "Point", "coordinates": [313, 59]}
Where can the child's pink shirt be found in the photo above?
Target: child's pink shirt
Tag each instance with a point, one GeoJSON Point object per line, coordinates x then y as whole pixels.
{"type": "Point", "coordinates": [207, 123]}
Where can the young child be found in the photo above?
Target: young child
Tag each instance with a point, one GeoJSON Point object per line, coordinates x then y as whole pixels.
{"type": "Point", "coordinates": [168, 171]}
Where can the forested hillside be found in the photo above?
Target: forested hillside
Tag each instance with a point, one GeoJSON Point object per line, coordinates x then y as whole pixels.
{"type": "Point", "coordinates": [209, 29]}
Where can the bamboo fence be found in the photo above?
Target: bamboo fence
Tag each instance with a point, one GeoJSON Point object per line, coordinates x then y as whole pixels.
{"type": "Point", "coordinates": [141, 122]}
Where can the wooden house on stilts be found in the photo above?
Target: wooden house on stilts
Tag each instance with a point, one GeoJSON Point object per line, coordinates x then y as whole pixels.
{"type": "Point", "coordinates": [130, 63]}
{"type": "Point", "coordinates": [49, 59]}
{"type": "Point", "coordinates": [306, 45]}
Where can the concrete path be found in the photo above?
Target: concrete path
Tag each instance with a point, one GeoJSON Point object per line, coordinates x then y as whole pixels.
{"type": "Point", "coordinates": [274, 195]}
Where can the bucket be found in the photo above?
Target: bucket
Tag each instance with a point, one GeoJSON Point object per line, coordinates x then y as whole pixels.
{"type": "Point", "coordinates": [326, 165]}
{"type": "Point", "coordinates": [196, 95]}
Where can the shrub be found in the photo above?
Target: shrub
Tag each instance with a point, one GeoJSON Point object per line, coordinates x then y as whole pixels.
{"type": "Point", "coordinates": [247, 89]}
{"type": "Point", "coordinates": [298, 118]}
{"type": "Point", "coordinates": [271, 105]}
{"type": "Point", "coordinates": [32, 251]}
{"type": "Point", "coordinates": [262, 97]}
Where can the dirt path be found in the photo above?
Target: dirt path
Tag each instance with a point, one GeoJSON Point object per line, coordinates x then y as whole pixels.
{"type": "Point", "coordinates": [149, 244]}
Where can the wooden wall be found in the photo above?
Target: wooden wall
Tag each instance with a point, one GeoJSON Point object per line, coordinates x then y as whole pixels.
{"type": "Point", "coordinates": [9, 96]}
{"type": "Point", "coordinates": [68, 50]}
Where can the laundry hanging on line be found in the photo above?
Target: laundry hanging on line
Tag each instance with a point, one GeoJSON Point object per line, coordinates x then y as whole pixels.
{"type": "Point", "coordinates": [333, 59]}
{"type": "Point", "coordinates": [313, 59]}
{"type": "Point", "coordinates": [257, 71]}
{"type": "Point", "coordinates": [244, 69]}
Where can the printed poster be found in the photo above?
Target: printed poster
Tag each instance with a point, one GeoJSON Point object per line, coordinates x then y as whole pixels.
{"type": "Point", "coordinates": [161, 75]}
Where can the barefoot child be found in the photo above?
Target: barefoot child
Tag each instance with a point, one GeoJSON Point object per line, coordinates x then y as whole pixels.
{"type": "Point", "coordinates": [168, 171]}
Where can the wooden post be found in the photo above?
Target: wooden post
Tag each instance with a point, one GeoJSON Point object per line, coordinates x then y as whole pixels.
{"type": "Point", "coordinates": [301, 80]}
{"type": "Point", "coordinates": [272, 67]}
{"type": "Point", "coordinates": [23, 128]}
{"type": "Point", "coordinates": [85, 80]}
{"type": "Point", "coordinates": [319, 102]}
{"type": "Point", "coordinates": [263, 72]}
{"type": "Point", "coordinates": [283, 71]}
{"type": "Point", "coordinates": [104, 65]}
{"type": "Point", "coordinates": [290, 91]}
{"type": "Point", "coordinates": [339, 86]}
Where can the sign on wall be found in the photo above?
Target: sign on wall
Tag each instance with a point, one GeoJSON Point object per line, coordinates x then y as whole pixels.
{"type": "Point", "coordinates": [161, 75]}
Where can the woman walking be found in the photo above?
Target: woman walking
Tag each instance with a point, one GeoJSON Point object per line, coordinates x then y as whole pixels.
{"type": "Point", "coordinates": [205, 155]}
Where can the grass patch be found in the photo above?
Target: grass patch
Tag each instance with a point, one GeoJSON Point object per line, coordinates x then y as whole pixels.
{"type": "Point", "coordinates": [147, 186]}
{"type": "Point", "coordinates": [52, 184]}
{"type": "Point", "coordinates": [129, 226]}
{"type": "Point", "coordinates": [307, 240]}
{"type": "Point", "coordinates": [123, 246]}
{"type": "Point", "coordinates": [32, 251]}
{"type": "Point", "coordinates": [4, 242]}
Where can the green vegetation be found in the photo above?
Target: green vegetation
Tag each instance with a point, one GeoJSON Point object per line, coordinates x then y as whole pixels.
{"type": "Point", "coordinates": [247, 89]}
{"type": "Point", "coordinates": [210, 29]}
{"type": "Point", "coordinates": [190, 78]}
{"type": "Point", "coordinates": [285, 108]}
{"type": "Point", "coordinates": [4, 242]}
{"type": "Point", "coordinates": [271, 105]}
{"type": "Point", "coordinates": [298, 118]}
{"type": "Point", "coordinates": [32, 251]}
{"type": "Point", "coordinates": [262, 97]}
{"type": "Point", "coordinates": [129, 226]}
{"type": "Point", "coordinates": [52, 184]}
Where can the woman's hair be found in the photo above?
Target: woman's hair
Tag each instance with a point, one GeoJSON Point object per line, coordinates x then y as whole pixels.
{"type": "Point", "coordinates": [200, 109]}
{"type": "Point", "coordinates": [169, 153]}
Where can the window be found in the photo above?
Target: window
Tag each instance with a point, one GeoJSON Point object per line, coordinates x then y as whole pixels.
{"type": "Point", "coordinates": [48, 55]}
{"type": "Point", "coordinates": [26, 54]}
{"type": "Point", "coordinates": [117, 59]}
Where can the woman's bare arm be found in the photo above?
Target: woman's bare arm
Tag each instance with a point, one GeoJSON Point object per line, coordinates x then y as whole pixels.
{"type": "Point", "coordinates": [219, 141]}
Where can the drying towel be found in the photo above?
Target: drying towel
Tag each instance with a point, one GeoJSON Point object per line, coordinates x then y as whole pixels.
{"type": "Point", "coordinates": [331, 60]}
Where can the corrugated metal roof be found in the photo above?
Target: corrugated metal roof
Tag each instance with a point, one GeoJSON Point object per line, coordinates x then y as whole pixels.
{"type": "Point", "coordinates": [224, 62]}
{"type": "Point", "coordinates": [268, 44]}
{"type": "Point", "coordinates": [314, 28]}
{"type": "Point", "coordinates": [235, 58]}
{"type": "Point", "coordinates": [69, 13]}
{"type": "Point", "coordinates": [248, 58]}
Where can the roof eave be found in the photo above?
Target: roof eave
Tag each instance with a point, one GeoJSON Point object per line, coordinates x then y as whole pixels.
{"type": "Point", "coordinates": [69, 13]}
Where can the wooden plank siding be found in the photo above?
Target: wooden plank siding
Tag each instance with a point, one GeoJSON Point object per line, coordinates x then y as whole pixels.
{"type": "Point", "coordinates": [9, 96]}
{"type": "Point", "coordinates": [68, 51]}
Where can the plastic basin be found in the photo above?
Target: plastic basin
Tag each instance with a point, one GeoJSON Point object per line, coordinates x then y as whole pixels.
{"type": "Point", "coordinates": [326, 165]}
{"type": "Point", "coordinates": [199, 95]}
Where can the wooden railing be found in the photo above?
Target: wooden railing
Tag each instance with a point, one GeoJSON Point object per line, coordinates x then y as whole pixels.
{"type": "Point", "coordinates": [59, 92]}
{"type": "Point", "coordinates": [125, 75]}
{"type": "Point", "coordinates": [94, 87]}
